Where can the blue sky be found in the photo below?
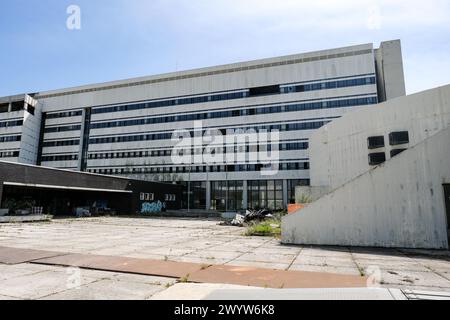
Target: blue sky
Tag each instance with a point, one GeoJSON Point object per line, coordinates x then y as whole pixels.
{"type": "Point", "coordinates": [121, 39]}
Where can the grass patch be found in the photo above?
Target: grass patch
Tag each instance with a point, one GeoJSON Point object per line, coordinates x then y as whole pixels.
{"type": "Point", "coordinates": [267, 228]}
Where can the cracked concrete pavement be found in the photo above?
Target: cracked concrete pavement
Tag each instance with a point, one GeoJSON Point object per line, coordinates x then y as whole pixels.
{"type": "Point", "coordinates": [189, 240]}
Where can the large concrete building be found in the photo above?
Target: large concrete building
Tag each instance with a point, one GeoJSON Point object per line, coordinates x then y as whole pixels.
{"type": "Point", "coordinates": [380, 177]}
{"type": "Point", "coordinates": [125, 128]}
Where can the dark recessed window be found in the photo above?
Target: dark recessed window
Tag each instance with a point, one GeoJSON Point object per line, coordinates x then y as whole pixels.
{"type": "Point", "coordinates": [375, 142]}
{"type": "Point", "coordinates": [377, 158]}
{"type": "Point", "coordinates": [396, 152]}
{"type": "Point", "coordinates": [396, 138]}
{"type": "Point", "coordinates": [264, 90]}
{"type": "Point", "coordinates": [300, 88]}
{"type": "Point", "coordinates": [17, 106]}
{"type": "Point", "coordinates": [30, 109]}
{"type": "Point", "coordinates": [4, 107]}
{"type": "Point", "coordinates": [236, 113]}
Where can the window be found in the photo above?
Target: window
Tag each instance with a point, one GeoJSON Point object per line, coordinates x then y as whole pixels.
{"type": "Point", "coordinates": [30, 109]}
{"type": "Point", "coordinates": [64, 114]}
{"type": "Point", "coordinates": [377, 158]}
{"type": "Point", "coordinates": [265, 194]}
{"type": "Point", "coordinates": [4, 107]}
{"type": "Point", "coordinates": [147, 196]}
{"type": "Point", "coordinates": [17, 106]}
{"type": "Point", "coordinates": [62, 129]}
{"type": "Point", "coordinates": [397, 138]}
{"type": "Point", "coordinates": [10, 138]}
{"type": "Point", "coordinates": [375, 142]}
{"type": "Point", "coordinates": [396, 152]}
{"type": "Point", "coordinates": [258, 91]}
{"type": "Point", "coordinates": [170, 197]}
{"type": "Point", "coordinates": [227, 195]}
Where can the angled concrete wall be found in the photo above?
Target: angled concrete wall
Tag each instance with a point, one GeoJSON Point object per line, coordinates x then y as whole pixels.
{"type": "Point", "coordinates": [398, 204]}
{"type": "Point", "coordinates": [339, 151]}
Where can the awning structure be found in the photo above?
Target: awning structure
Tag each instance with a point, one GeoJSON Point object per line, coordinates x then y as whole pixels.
{"type": "Point", "coordinates": [43, 186]}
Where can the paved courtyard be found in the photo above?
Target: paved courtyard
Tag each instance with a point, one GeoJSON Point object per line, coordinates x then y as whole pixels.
{"type": "Point", "coordinates": [198, 241]}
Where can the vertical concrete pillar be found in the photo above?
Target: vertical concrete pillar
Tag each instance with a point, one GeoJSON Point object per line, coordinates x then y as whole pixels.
{"type": "Point", "coordinates": [9, 107]}
{"type": "Point", "coordinates": [245, 194]}
{"type": "Point", "coordinates": [208, 195]}
{"type": "Point", "coordinates": [285, 194]}
{"type": "Point", "coordinates": [1, 194]}
{"type": "Point", "coordinates": [80, 150]}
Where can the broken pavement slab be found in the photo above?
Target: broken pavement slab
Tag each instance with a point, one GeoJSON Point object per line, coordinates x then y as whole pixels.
{"type": "Point", "coordinates": [271, 278]}
{"type": "Point", "coordinates": [18, 256]}
{"type": "Point", "coordinates": [125, 265]}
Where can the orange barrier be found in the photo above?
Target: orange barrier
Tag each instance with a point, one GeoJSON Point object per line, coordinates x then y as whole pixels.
{"type": "Point", "coordinates": [295, 207]}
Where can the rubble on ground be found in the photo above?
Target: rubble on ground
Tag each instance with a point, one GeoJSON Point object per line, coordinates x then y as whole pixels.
{"type": "Point", "coordinates": [250, 215]}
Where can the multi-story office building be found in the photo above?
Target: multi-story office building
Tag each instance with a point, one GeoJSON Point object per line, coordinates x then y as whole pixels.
{"type": "Point", "coordinates": [125, 128]}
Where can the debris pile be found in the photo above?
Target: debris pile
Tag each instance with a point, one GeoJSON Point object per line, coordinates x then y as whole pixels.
{"type": "Point", "coordinates": [251, 215]}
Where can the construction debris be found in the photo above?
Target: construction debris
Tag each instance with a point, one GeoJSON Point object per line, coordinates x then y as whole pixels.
{"type": "Point", "coordinates": [250, 215]}
{"type": "Point", "coordinates": [258, 215]}
{"type": "Point", "coordinates": [238, 221]}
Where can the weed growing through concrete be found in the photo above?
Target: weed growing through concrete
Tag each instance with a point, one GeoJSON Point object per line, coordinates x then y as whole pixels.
{"type": "Point", "coordinates": [268, 228]}
{"type": "Point", "coordinates": [185, 279]}
{"type": "Point", "coordinates": [361, 270]}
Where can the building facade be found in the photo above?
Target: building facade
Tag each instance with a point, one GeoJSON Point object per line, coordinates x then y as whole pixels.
{"type": "Point", "coordinates": [126, 128]}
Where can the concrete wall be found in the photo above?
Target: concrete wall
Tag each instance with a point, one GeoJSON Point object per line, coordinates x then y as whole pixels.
{"type": "Point", "coordinates": [339, 151]}
{"type": "Point", "coordinates": [311, 193]}
{"type": "Point", "coordinates": [399, 204]}
{"type": "Point", "coordinates": [391, 77]}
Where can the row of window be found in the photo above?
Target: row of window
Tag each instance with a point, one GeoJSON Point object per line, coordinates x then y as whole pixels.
{"type": "Point", "coordinates": [14, 123]}
{"type": "Point", "coordinates": [66, 114]}
{"type": "Point", "coordinates": [201, 169]}
{"type": "Point", "coordinates": [9, 154]}
{"type": "Point", "coordinates": [228, 195]}
{"type": "Point", "coordinates": [234, 95]}
{"type": "Point", "coordinates": [329, 85]}
{"type": "Point", "coordinates": [151, 197]}
{"type": "Point", "coordinates": [15, 106]}
{"type": "Point", "coordinates": [70, 157]}
{"type": "Point", "coordinates": [62, 143]}
{"type": "Point", "coordinates": [168, 136]}
{"type": "Point", "coordinates": [238, 113]}
{"type": "Point", "coordinates": [172, 102]}
{"type": "Point", "coordinates": [168, 153]}
{"type": "Point", "coordinates": [10, 138]}
{"type": "Point", "coordinates": [63, 128]}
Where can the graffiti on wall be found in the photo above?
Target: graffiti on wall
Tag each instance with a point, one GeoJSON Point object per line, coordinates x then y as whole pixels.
{"type": "Point", "coordinates": [154, 207]}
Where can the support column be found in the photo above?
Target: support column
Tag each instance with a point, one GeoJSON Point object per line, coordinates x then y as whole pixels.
{"type": "Point", "coordinates": [1, 194]}
{"type": "Point", "coordinates": [245, 194]}
{"type": "Point", "coordinates": [84, 140]}
{"type": "Point", "coordinates": [208, 195]}
{"type": "Point", "coordinates": [9, 107]}
{"type": "Point", "coordinates": [285, 194]}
